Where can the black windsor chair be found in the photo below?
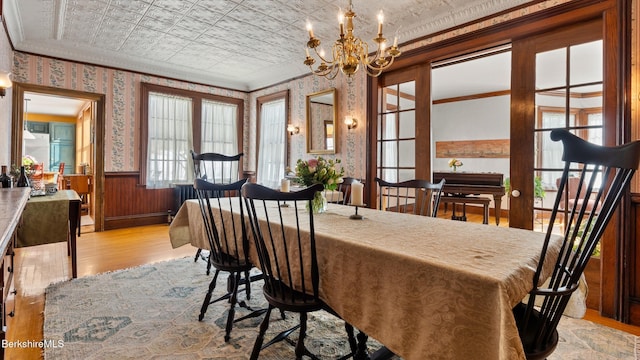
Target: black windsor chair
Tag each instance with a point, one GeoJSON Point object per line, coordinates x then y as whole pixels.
{"type": "Point", "coordinates": [418, 197]}
{"type": "Point", "coordinates": [229, 245]}
{"type": "Point", "coordinates": [345, 189]}
{"type": "Point", "coordinates": [291, 282]}
{"type": "Point", "coordinates": [606, 172]}
{"type": "Point", "coordinates": [218, 169]}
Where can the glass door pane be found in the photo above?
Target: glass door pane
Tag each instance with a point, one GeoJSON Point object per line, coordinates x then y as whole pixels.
{"type": "Point", "coordinates": [396, 135]}
{"type": "Point", "coordinates": [568, 94]}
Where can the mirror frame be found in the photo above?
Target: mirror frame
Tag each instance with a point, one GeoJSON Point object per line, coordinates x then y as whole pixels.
{"type": "Point", "coordinates": [332, 121]}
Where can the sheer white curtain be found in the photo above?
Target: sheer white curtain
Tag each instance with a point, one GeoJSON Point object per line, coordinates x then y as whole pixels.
{"type": "Point", "coordinates": [220, 135]}
{"type": "Point", "coordinates": [219, 128]}
{"type": "Point", "coordinates": [272, 143]}
{"type": "Point", "coordinates": [170, 140]}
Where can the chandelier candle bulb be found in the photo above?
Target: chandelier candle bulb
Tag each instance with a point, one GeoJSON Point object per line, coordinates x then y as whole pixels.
{"type": "Point", "coordinates": [357, 191]}
{"type": "Point", "coordinates": [395, 43]}
{"type": "Point", "coordinates": [380, 21]}
{"type": "Point", "coordinates": [310, 29]}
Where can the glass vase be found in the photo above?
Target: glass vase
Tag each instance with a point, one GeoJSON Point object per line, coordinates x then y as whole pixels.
{"type": "Point", "coordinates": [319, 203]}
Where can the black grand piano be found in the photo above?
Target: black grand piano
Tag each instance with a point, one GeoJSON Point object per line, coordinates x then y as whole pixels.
{"type": "Point", "coordinates": [467, 183]}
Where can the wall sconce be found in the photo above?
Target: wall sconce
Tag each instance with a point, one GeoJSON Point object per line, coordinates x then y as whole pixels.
{"type": "Point", "coordinates": [5, 83]}
{"type": "Point", "coordinates": [292, 130]}
{"type": "Point", "coordinates": [351, 122]}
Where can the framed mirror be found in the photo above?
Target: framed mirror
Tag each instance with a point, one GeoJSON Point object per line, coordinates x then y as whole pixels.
{"type": "Point", "coordinates": [321, 122]}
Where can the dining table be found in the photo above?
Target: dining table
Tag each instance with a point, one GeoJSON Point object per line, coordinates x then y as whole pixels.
{"type": "Point", "coordinates": [426, 288]}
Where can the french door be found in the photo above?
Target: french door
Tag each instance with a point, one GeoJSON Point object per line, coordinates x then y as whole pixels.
{"type": "Point", "coordinates": [560, 84]}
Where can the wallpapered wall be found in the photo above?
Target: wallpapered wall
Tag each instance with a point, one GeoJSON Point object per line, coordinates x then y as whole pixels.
{"type": "Point", "coordinates": [122, 91]}
{"type": "Point", "coordinates": [123, 109]}
{"type": "Point", "coordinates": [6, 55]}
{"type": "Point", "coordinates": [351, 100]}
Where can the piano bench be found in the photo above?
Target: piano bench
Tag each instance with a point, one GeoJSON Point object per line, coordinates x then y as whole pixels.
{"type": "Point", "coordinates": [464, 200]}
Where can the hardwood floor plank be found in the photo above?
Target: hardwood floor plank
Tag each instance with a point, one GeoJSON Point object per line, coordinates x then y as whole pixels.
{"type": "Point", "coordinates": [39, 266]}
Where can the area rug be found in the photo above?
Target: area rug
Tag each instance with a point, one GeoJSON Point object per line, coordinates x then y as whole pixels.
{"type": "Point", "coordinates": [151, 312]}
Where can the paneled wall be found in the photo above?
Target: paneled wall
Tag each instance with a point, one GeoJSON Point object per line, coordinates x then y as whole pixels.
{"type": "Point", "coordinates": [128, 204]}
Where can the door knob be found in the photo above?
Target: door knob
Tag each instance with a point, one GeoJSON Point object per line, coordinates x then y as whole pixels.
{"type": "Point", "coordinates": [515, 193]}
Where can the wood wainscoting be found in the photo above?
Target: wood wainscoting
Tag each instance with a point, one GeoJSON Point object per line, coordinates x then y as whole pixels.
{"type": "Point", "coordinates": [632, 272]}
{"type": "Point", "coordinates": [127, 203]}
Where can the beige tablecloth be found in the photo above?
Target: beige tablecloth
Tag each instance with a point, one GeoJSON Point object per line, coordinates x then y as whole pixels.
{"type": "Point", "coordinates": [426, 288]}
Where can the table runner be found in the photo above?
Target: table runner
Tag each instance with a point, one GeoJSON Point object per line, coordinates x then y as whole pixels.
{"type": "Point", "coordinates": [424, 287]}
{"type": "Point", "coordinates": [45, 219]}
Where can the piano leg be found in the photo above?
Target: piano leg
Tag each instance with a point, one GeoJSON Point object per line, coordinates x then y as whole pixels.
{"type": "Point", "coordinates": [497, 200]}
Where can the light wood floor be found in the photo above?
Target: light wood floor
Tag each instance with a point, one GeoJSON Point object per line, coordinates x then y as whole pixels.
{"type": "Point", "coordinates": [38, 266]}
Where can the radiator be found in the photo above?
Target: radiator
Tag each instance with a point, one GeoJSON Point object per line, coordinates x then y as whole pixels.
{"type": "Point", "coordinates": [183, 192]}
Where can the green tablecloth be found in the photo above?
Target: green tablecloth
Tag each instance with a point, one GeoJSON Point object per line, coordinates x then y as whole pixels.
{"type": "Point", "coordinates": [45, 219]}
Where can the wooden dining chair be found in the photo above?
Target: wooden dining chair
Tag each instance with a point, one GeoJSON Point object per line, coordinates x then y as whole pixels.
{"type": "Point", "coordinates": [418, 197]}
{"type": "Point", "coordinates": [218, 169]}
{"type": "Point", "coordinates": [285, 241]}
{"type": "Point", "coordinates": [228, 244]}
{"type": "Point", "coordinates": [605, 173]}
{"type": "Point", "coordinates": [344, 189]}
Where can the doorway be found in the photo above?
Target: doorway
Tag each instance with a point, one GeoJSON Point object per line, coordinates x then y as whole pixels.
{"type": "Point", "coordinates": [80, 138]}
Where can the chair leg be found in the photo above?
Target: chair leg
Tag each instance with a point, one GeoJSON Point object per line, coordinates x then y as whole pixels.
{"type": "Point", "coordinates": [207, 298]}
{"type": "Point", "coordinates": [247, 285]}
{"type": "Point", "coordinates": [257, 346]}
{"type": "Point", "coordinates": [300, 349]}
{"type": "Point", "coordinates": [197, 255]}
{"type": "Point", "coordinates": [353, 344]}
{"type": "Point", "coordinates": [209, 265]}
{"type": "Point", "coordinates": [361, 353]}
{"type": "Point", "coordinates": [232, 307]}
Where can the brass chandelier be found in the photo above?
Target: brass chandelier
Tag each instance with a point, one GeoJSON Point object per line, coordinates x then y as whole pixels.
{"type": "Point", "coordinates": [349, 52]}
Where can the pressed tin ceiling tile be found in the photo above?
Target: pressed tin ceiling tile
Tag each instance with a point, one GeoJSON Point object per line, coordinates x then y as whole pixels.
{"type": "Point", "coordinates": [264, 38]}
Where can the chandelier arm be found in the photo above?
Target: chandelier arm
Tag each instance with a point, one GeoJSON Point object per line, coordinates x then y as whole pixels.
{"type": "Point", "coordinates": [387, 63]}
{"type": "Point", "coordinates": [322, 59]}
{"type": "Point", "coordinates": [329, 72]}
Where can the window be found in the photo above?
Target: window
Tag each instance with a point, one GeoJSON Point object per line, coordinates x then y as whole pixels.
{"type": "Point", "coordinates": [272, 138]}
{"type": "Point", "coordinates": [169, 141]}
{"type": "Point", "coordinates": [175, 121]}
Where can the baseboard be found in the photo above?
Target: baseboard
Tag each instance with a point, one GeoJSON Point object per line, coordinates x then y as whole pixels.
{"type": "Point", "coordinates": [120, 222]}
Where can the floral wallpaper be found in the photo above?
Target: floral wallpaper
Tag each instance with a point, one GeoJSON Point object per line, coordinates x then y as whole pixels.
{"type": "Point", "coordinates": [6, 56]}
{"type": "Point", "coordinates": [351, 100]}
{"type": "Point", "coordinates": [121, 89]}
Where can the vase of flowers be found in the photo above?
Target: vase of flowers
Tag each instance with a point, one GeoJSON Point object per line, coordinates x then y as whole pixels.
{"type": "Point", "coordinates": [319, 171]}
{"type": "Point", "coordinates": [455, 164]}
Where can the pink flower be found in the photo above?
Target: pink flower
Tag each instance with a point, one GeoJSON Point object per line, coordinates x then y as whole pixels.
{"type": "Point", "coordinates": [312, 162]}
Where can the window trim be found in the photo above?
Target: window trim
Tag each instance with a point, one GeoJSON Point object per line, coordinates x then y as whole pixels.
{"type": "Point", "coordinates": [196, 97]}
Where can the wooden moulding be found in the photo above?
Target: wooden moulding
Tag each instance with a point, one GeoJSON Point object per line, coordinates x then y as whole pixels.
{"type": "Point", "coordinates": [473, 149]}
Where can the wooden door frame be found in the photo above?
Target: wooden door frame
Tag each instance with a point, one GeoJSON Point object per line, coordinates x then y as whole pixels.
{"type": "Point", "coordinates": [99, 125]}
{"type": "Point", "coordinates": [616, 32]}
